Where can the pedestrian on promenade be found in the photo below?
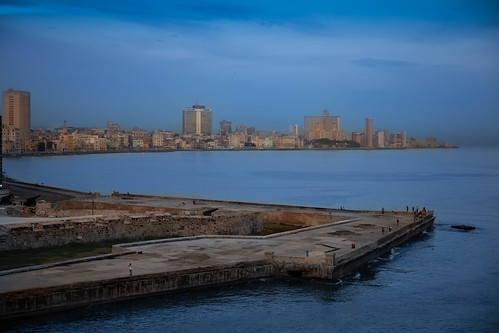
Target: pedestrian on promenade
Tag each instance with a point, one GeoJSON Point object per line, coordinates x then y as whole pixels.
{"type": "Point", "coordinates": [407, 209]}
{"type": "Point", "coordinates": [130, 268]}
{"type": "Point", "coordinates": [397, 221]}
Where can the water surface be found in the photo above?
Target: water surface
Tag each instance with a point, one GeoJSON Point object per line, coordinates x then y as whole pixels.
{"type": "Point", "coordinates": [445, 280]}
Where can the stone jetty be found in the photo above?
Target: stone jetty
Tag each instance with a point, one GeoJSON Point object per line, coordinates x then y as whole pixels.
{"type": "Point", "coordinates": [329, 244]}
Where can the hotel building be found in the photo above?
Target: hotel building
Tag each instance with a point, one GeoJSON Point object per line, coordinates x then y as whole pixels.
{"type": "Point", "coordinates": [323, 127]}
{"type": "Point", "coordinates": [16, 121]}
{"type": "Point", "coordinates": [197, 121]}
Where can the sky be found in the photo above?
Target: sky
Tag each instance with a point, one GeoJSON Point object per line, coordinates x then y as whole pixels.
{"type": "Point", "coordinates": [429, 67]}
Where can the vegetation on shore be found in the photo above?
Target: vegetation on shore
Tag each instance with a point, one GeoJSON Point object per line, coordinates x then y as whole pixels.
{"type": "Point", "coordinates": [329, 144]}
{"type": "Point", "coordinates": [46, 255]}
{"type": "Point", "coordinates": [273, 228]}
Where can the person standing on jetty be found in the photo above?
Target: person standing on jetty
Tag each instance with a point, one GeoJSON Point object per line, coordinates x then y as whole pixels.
{"type": "Point", "coordinates": [130, 268]}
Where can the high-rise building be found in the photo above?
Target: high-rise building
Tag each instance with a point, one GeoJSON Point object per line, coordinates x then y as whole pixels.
{"type": "Point", "coordinates": [387, 137]}
{"type": "Point", "coordinates": [197, 121]}
{"type": "Point", "coordinates": [399, 140]}
{"type": "Point", "coordinates": [323, 127]}
{"type": "Point", "coordinates": [16, 121]}
{"type": "Point", "coordinates": [224, 131]}
{"type": "Point", "coordinates": [225, 127]}
{"type": "Point", "coordinates": [369, 132]}
{"type": "Point", "coordinates": [358, 137]}
{"type": "Point", "coordinates": [1, 153]}
{"type": "Point", "coordinates": [379, 139]}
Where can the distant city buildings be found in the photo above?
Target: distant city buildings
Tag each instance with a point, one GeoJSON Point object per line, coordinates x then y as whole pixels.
{"type": "Point", "coordinates": [224, 131]}
{"type": "Point", "coordinates": [112, 127]}
{"type": "Point", "coordinates": [358, 137]}
{"type": "Point", "coordinates": [197, 121]}
{"type": "Point", "coordinates": [379, 139]}
{"type": "Point", "coordinates": [1, 151]}
{"type": "Point", "coordinates": [319, 132]}
{"type": "Point", "coordinates": [369, 133]}
{"type": "Point", "coordinates": [323, 127]}
{"type": "Point", "coordinates": [431, 142]}
{"type": "Point", "coordinates": [16, 121]}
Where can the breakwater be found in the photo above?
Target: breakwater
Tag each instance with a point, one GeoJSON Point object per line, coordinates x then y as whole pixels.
{"type": "Point", "coordinates": [39, 300]}
{"type": "Point", "coordinates": [200, 261]}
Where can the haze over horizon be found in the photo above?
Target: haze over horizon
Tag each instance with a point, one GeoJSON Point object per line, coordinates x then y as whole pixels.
{"type": "Point", "coordinates": [428, 67]}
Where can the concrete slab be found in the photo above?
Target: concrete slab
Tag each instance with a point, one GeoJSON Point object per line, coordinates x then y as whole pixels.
{"type": "Point", "coordinates": [184, 254]}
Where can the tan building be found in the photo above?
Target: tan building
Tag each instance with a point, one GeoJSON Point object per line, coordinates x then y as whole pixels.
{"type": "Point", "coordinates": [66, 142]}
{"type": "Point", "coordinates": [323, 127]}
{"type": "Point", "coordinates": [358, 137]}
{"type": "Point", "coordinates": [237, 140]}
{"type": "Point", "coordinates": [431, 142]}
{"type": "Point", "coordinates": [287, 142]}
{"type": "Point", "coordinates": [379, 139]}
{"type": "Point", "coordinates": [16, 121]}
{"type": "Point", "coordinates": [158, 139]}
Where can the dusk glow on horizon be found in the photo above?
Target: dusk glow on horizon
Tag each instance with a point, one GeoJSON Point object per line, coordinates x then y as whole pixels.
{"type": "Point", "coordinates": [430, 68]}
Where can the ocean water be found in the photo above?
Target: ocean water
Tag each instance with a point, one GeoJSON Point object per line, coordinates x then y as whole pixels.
{"type": "Point", "coordinates": [443, 281]}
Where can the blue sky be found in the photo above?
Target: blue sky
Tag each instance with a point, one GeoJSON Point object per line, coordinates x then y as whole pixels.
{"type": "Point", "coordinates": [428, 67]}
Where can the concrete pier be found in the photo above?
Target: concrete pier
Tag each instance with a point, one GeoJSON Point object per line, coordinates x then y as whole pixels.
{"type": "Point", "coordinates": [323, 249]}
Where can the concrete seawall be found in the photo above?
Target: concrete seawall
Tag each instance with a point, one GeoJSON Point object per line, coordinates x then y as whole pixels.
{"type": "Point", "coordinates": [25, 302]}
{"type": "Point", "coordinates": [200, 261]}
{"type": "Point", "coordinates": [84, 229]}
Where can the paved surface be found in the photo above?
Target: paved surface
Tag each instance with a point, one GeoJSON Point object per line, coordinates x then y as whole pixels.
{"type": "Point", "coordinates": [171, 256]}
{"type": "Point", "coordinates": [23, 191]}
{"type": "Point", "coordinates": [363, 228]}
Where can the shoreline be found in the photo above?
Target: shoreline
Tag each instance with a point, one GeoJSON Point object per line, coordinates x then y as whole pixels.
{"type": "Point", "coordinates": [95, 152]}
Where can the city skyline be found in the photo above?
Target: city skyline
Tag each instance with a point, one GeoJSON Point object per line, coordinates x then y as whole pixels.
{"type": "Point", "coordinates": [319, 132]}
{"type": "Point", "coordinates": [196, 129]}
{"type": "Point", "coordinates": [428, 68]}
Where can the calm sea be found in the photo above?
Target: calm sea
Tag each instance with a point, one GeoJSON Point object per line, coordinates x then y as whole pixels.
{"type": "Point", "coordinates": [443, 281]}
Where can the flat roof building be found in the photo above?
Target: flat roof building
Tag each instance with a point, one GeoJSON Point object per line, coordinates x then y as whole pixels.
{"type": "Point", "coordinates": [16, 121]}
{"type": "Point", "coordinates": [369, 133]}
{"type": "Point", "coordinates": [323, 127]}
{"type": "Point", "coordinates": [197, 121]}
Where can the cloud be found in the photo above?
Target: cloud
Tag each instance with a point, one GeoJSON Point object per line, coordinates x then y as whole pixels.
{"type": "Point", "coordinates": [383, 63]}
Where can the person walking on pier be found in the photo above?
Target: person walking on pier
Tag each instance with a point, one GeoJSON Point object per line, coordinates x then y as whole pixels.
{"type": "Point", "coordinates": [130, 269]}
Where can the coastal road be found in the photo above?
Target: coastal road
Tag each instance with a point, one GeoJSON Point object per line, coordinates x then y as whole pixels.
{"type": "Point", "coordinates": [23, 191]}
